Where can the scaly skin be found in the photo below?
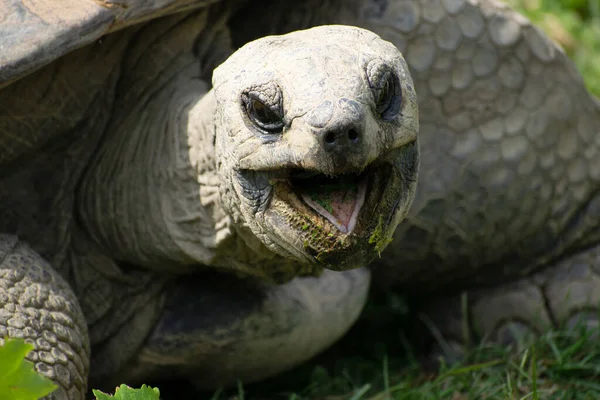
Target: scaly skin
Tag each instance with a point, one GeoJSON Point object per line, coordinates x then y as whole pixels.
{"type": "Point", "coordinates": [324, 81]}
{"type": "Point", "coordinates": [77, 96]}
{"type": "Point", "coordinates": [195, 229]}
{"type": "Point", "coordinates": [37, 305]}
{"type": "Point", "coordinates": [507, 189]}
{"type": "Point", "coordinates": [509, 174]}
{"type": "Point", "coordinates": [124, 198]}
{"type": "Point", "coordinates": [508, 117]}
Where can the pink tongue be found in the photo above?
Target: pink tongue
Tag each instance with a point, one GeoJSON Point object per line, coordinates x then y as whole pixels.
{"type": "Point", "coordinates": [340, 207]}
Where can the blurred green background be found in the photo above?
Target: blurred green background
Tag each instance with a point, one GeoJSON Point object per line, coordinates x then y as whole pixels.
{"type": "Point", "coordinates": [575, 25]}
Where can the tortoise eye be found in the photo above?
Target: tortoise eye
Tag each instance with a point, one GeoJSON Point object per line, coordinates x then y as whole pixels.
{"type": "Point", "coordinates": [263, 116]}
{"type": "Point", "coordinates": [388, 96]}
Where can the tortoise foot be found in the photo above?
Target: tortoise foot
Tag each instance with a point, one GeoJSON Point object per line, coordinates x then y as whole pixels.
{"type": "Point", "coordinates": [218, 329]}
{"type": "Point", "coordinates": [38, 306]}
{"type": "Point", "coordinates": [564, 296]}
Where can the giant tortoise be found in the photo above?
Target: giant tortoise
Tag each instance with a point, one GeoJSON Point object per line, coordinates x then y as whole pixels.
{"type": "Point", "coordinates": [172, 207]}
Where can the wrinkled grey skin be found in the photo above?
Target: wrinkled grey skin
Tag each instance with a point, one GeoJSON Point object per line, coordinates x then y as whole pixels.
{"type": "Point", "coordinates": [294, 73]}
{"type": "Point", "coordinates": [116, 231]}
{"type": "Point", "coordinates": [150, 189]}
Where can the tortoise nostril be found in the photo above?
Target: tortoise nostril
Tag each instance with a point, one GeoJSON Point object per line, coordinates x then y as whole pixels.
{"type": "Point", "coordinates": [340, 139]}
{"type": "Point", "coordinates": [330, 138]}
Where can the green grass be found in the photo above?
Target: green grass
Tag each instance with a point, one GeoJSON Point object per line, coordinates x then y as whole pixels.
{"type": "Point", "coordinates": [376, 362]}
{"type": "Point", "coordinates": [557, 366]}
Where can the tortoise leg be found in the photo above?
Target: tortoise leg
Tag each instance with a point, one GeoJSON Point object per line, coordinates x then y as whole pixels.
{"type": "Point", "coordinates": [218, 329]}
{"type": "Point", "coordinates": [565, 295]}
{"type": "Point", "coordinates": [37, 305]}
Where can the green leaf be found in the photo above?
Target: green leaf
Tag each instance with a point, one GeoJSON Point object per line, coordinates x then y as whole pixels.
{"type": "Point", "coordinates": [124, 392]}
{"type": "Point", "coordinates": [18, 379]}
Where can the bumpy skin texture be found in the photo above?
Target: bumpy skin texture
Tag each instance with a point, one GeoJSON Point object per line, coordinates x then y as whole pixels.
{"type": "Point", "coordinates": [108, 174]}
{"type": "Point", "coordinates": [509, 133]}
{"type": "Point", "coordinates": [508, 117]}
{"type": "Point", "coordinates": [113, 181]}
{"type": "Point", "coordinates": [37, 305]}
{"type": "Point", "coordinates": [324, 81]}
{"type": "Point", "coordinates": [64, 110]}
{"type": "Point", "coordinates": [509, 175]}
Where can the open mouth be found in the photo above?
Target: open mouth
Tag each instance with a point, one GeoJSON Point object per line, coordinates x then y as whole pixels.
{"type": "Point", "coordinates": [338, 199]}
{"type": "Point", "coordinates": [339, 221]}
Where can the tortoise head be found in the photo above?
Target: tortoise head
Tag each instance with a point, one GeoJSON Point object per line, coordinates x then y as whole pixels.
{"type": "Point", "coordinates": [316, 143]}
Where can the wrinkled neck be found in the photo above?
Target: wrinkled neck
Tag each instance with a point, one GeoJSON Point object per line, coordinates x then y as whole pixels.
{"type": "Point", "coordinates": [150, 196]}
